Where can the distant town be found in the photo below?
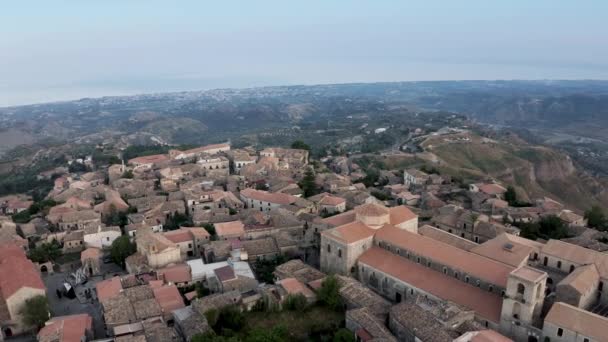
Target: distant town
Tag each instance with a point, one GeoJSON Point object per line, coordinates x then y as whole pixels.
{"type": "Point", "coordinates": [216, 243]}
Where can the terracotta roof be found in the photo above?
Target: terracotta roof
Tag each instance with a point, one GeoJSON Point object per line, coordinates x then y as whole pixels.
{"type": "Point", "coordinates": [481, 267]}
{"type": "Point", "coordinates": [332, 200]}
{"type": "Point", "coordinates": [156, 158]}
{"type": "Point", "coordinates": [582, 278]}
{"type": "Point", "coordinates": [492, 189]}
{"type": "Point", "coordinates": [340, 219]}
{"type": "Point", "coordinates": [179, 273]}
{"type": "Point", "coordinates": [169, 298]}
{"type": "Point", "coordinates": [581, 321]}
{"type": "Point", "coordinates": [264, 196]}
{"type": "Point", "coordinates": [509, 249]}
{"type": "Point", "coordinates": [483, 336]}
{"type": "Point", "coordinates": [108, 288]}
{"type": "Point", "coordinates": [233, 228]}
{"type": "Point", "coordinates": [294, 286]}
{"type": "Point", "coordinates": [528, 273]}
{"type": "Point", "coordinates": [66, 328]}
{"type": "Point", "coordinates": [178, 235]}
{"type": "Point", "coordinates": [401, 214]}
{"type": "Point", "coordinates": [198, 232]}
{"type": "Point", "coordinates": [577, 254]}
{"type": "Point", "coordinates": [445, 237]}
{"type": "Point", "coordinates": [207, 148]}
{"type": "Point", "coordinates": [371, 209]}
{"type": "Point", "coordinates": [484, 303]}
{"type": "Point", "coordinates": [350, 232]}
{"type": "Point", "coordinates": [17, 271]}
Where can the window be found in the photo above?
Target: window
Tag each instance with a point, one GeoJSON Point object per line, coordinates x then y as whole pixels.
{"type": "Point", "coordinates": [429, 264]}
{"type": "Point", "coordinates": [411, 291]}
{"type": "Point", "coordinates": [339, 253]}
{"type": "Point", "coordinates": [445, 270]}
{"type": "Point", "coordinates": [189, 245]}
{"type": "Point", "coordinates": [560, 332]}
{"type": "Point", "coordinates": [462, 235]}
{"type": "Point", "coordinates": [418, 259]}
{"type": "Point", "coordinates": [107, 239]}
{"type": "Point", "coordinates": [545, 261]}
{"type": "Point", "coordinates": [535, 256]}
{"type": "Point", "coordinates": [601, 286]}
{"type": "Point", "coordinates": [521, 288]}
{"type": "Point", "coordinates": [456, 275]}
{"type": "Point", "coordinates": [559, 265]}
{"type": "Point", "coordinates": [571, 268]}
{"type": "Point", "coordinates": [328, 248]}
{"type": "Point", "coordinates": [478, 283]}
{"type": "Point", "coordinates": [466, 279]}
{"type": "Point", "coordinates": [585, 340]}
{"type": "Point", "coordinates": [477, 239]}
{"type": "Point", "coordinates": [490, 288]}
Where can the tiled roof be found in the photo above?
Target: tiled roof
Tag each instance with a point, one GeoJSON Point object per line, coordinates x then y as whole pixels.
{"type": "Point", "coordinates": [509, 249]}
{"type": "Point", "coordinates": [90, 253]}
{"type": "Point", "coordinates": [264, 196]}
{"type": "Point", "coordinates": [445, 237]}
{"type": "Point", "coordinates": [401, 214]}
{"type": "Point", "coordinates": [332, 200]}
{"type": "Point", "coordinates": [371, 209]}
{"type": "Point", "coordinates": [178, 235]}
{"type": "Point", "coordinates": [108, 288]}
{"type": "Point", "coordinates": [66, 328]}
{"type": "Point", "coordinates": [16, 271]}
{"type": "Point", "coordinates": [484, 303]}
{"type": "Point", "coordinates": [225, 273]}
{"type": "Point", "coordinates": [233, 228]}
{"type": "Point", "coordinates": [481, 267]}
{"type": "Point", "coordinates": [577, 254]}
{"type": "Point", "coordinates": [179, 273]}
{"type": "Point", "coordinates": [582, 278]}
{"type": "Point", "coordinates": [350, 232]}
{"type": "Point", "coordinates": [294, 286]}
{"type": "Point", "coordinates": [169, 298]}
{"type": "Point", "coordinates": [581, 321]}
{"type": "Point", "coordinates": [156, 158]}
{"type": "Point", "coordinates": [492, 189]}
{"type": "Point", "coordinates": [340, 219]}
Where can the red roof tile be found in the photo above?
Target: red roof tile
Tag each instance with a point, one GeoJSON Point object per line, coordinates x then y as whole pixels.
{"type": "Point", "coordinates": [67, 328]}
{"type": "Point", "coordinates": [484, 303]}
{"type": "Point", "coordinates": [169, 298]}
{"type": "Point", "coordinates": [17, 271]}
{"type": "Point", "coordinates": [175, 274]}
{"type": "Point", "coordinates": [108, 288]}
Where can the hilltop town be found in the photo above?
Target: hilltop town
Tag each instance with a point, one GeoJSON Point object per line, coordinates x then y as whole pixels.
{"type": "Point", "coordinates": [216, 243]}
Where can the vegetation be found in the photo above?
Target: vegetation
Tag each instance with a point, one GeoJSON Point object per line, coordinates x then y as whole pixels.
{"type": "Point", "coordinates": [101, 158]}
{"type": "Point", "coordinates": [35, 312]}
{"type": "Point", "coordinates": [76, 167]}
{"type": "Point", "coordinates": [308, 184]}
{"type": "Point", "coordinates": [176, 220]}
{"type": "Point", "coordinates": [596, 218]}
{"type": "Point", "coordinates": [297, 302]}
{"type": "Point", "coordinates": [135, 151]}
{"type": "Point", "coordinates": [329, 293]}
{"type": "Point", "coordinates": [26, 215]}
{"type": "Point", "coordinates": [264, 268]}
{"type": "Point", "coordinates": [121, 248]}
{"type": "Point", "coordinates": [343, 335]}
{"type": "Point", "coordinates": [548, 227]}
{"type": "Point", "coordinates": [210, 228]}
{"type": "Point", "coordinates": [382, 196]}
{"type": "Point", "coordinates": [115, 217]}
{"type": "Point", "coordinates": [511, 198]}
{"type": "Point", "coordinates": [45, 252]}
{"type": "Point", "coordinates": [128, 174]}
{"type": "Point", "coordinates": [299, 144]}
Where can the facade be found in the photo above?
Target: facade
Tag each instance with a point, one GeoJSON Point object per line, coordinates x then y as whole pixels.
{"type": "Point", "coordinates": [265, 201]}
{"type": "Point", "coordinates": [101, 236]}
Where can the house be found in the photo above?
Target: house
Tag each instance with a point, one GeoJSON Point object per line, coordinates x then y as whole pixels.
{"type": "Point", "coordinates": [189, 323]}
{"type": "Point", "coordinates": [261, 249]}
{"type": "Point", "coordinates": [169, 299]}
{"type": "Point", "coordinates": [178, 274]}
{"type": "Point", "coordinates": [329, 204]}
{"type": "Point", "coordinates": [414, 177]}
{"type": "Point", "coordinates": [568, 323]}
{"type": "Point", "coordinates": [572, 219]}
{"type": "Point", "coordinates": [75, 220]}
{"type": "Point", "coordinates": [368, 327]}
{"type": "Point", "coordinates": [91, 261]}
{"type": "Point", "coordinates": [101, 236]}
{"type": "Point", "coordinates": [73, 241]}
{"type": "Point", "coordinates": [264, 201]}
{"type": "Point", "coordinates": [158, 250]}
{"type": "Point", "coordinates": [293, 287]}
{"type": "Point", "coordinates": [19, 282]}
{"type": "Point", "coordinates": [230, 230]}
{"type": "Point", "coordinates": [147, 162]}
{"type": "Point", "coordinates": [72, 328]}
{"type": "Point", "coordinates": [199, 151]}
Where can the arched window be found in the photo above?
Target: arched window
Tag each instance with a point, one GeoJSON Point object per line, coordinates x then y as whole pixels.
{"type": "Point", "coordinates": [466, 279]}
{"type": "Point", "coordinates": [328, 248]}
{"type": "Point", "coordinates": [545, 261]}
{"type": "Point", "coordinates": [445, 270]}
{"type": "Point", "coordinates": [559, 265]}
{"type": "Point", "coordinates": [521, 288]}
{"type": "Point", "coordinates": [339, 253]}
{"type": "Point", "coordinates": [456, 275]}
{"type": "Point", "coordinates": [491, 288]}
{"type": "Point", "coordinates": [571, 268]}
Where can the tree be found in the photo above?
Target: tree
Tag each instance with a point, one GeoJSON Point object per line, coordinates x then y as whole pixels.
{"type": "Point", "coordinates": [511, 196]}
{"type": "Point", "coordinates": [277, 334]}
{"type": "Point", "coordinates": [596, 218]}
{"type": "Point", "coordinates": [210, 228]}
{"type": "Point", "coordinates": [343, 335]}
{"type": "Point", "coordinates": [329, 293]}
{"type": "Point", "coordinates": [296, 302]}
{"type": "Point", "coordinates": [121, 248]}
{"type": "Point", "coordinates": [128, 174]}
{"type": "Point", "coordinates": [299, 144]}
{"type": "Point", "coordinates": [45, 252]}
{"type": "Point", "coordinates": [230, 318]}
{"type": "Point", "coordinates": [308, 184]}
{"type": "Point", "coordinates": [212, 337]}
{"type": "Point", "coordinates": [115, 217]}
{"type": "Point", "coordinates": [35, 311]}
{"type": "Point", "coordinates": [176, 220]}
{"type": "Point", "coordinates": [264, 269]}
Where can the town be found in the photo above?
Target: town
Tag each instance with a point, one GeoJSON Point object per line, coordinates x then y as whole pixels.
{"type": "Point", "coordinates": [218, 243]}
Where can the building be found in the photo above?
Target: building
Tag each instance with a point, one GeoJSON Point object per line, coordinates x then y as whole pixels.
{"type": "Point", "coordinates": [91, 261]}
{"type": "Point", "coordinates": [147, 162]}
{"type": "Point", "coordinates": [189, 239]}
{"type": "Point", "coordinates": [101, 236]}
{"type": "Point", "coordinates": [19, 281]}
{"type": "Point", "coordinates": [414, 177]}
{"type": "Point", "coordinates": [199, 151]}
{"type": "Point", "coordinates": [265, 201]}
{"type": "Point", "coordinates": [73, 328]}
{"type": "Point", "coordinates": [158, 250]}
{"type": "Point", "coordinates": [230, 230]}
{"type": "Point", "coordinates": [568, 323]}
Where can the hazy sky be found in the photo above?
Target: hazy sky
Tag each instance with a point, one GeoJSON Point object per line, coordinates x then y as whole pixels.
{"type": "Point", "coordinates": [55, 50]}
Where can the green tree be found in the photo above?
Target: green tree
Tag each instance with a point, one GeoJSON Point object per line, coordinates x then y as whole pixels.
{"type": "Point", "coordinates": [277, 334]}
{"type": "Point", "coordinates": [308, 184]}
{"type": "Point", "coordinates": [176, 220]}
{"type": "Point", "coordinates": [343, 335]}
{"type": "Point", "coordinates": [596, 218]}
{"type": "Point", "coordinates": [45, 252]}
{"type": "Point", "coordinates": [210, 228]}
{"type": "Point", "coordinates": [115, 217]}
{"type": "Point", "coordinates": [230, 318]}
{"type": "Point", "coordinates": [128, 174]}
{"type": "Point", "coordinates": [264, 269]}
{"type": "Point", "coordinates": [296, 302]}
{"type": "Point", "coordinates": [299, 144]}
{"type": "Point", "coordinates": [121, 248]}
{"type": "Point", "coordinates": [212, 337]}
{"type": "Point", "coordinates": [329, 293]}
{"type": "Point", "coordinates": [511, 195]}
{"type": "Point", "coordinates": [35, 311]}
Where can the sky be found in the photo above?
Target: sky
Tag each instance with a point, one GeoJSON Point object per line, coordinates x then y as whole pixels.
{"type": "Point", "coordinates": [60, 50]}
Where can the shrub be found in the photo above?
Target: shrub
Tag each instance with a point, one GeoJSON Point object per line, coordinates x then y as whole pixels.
{"type": "Point", "coordinates": [295, 302]}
